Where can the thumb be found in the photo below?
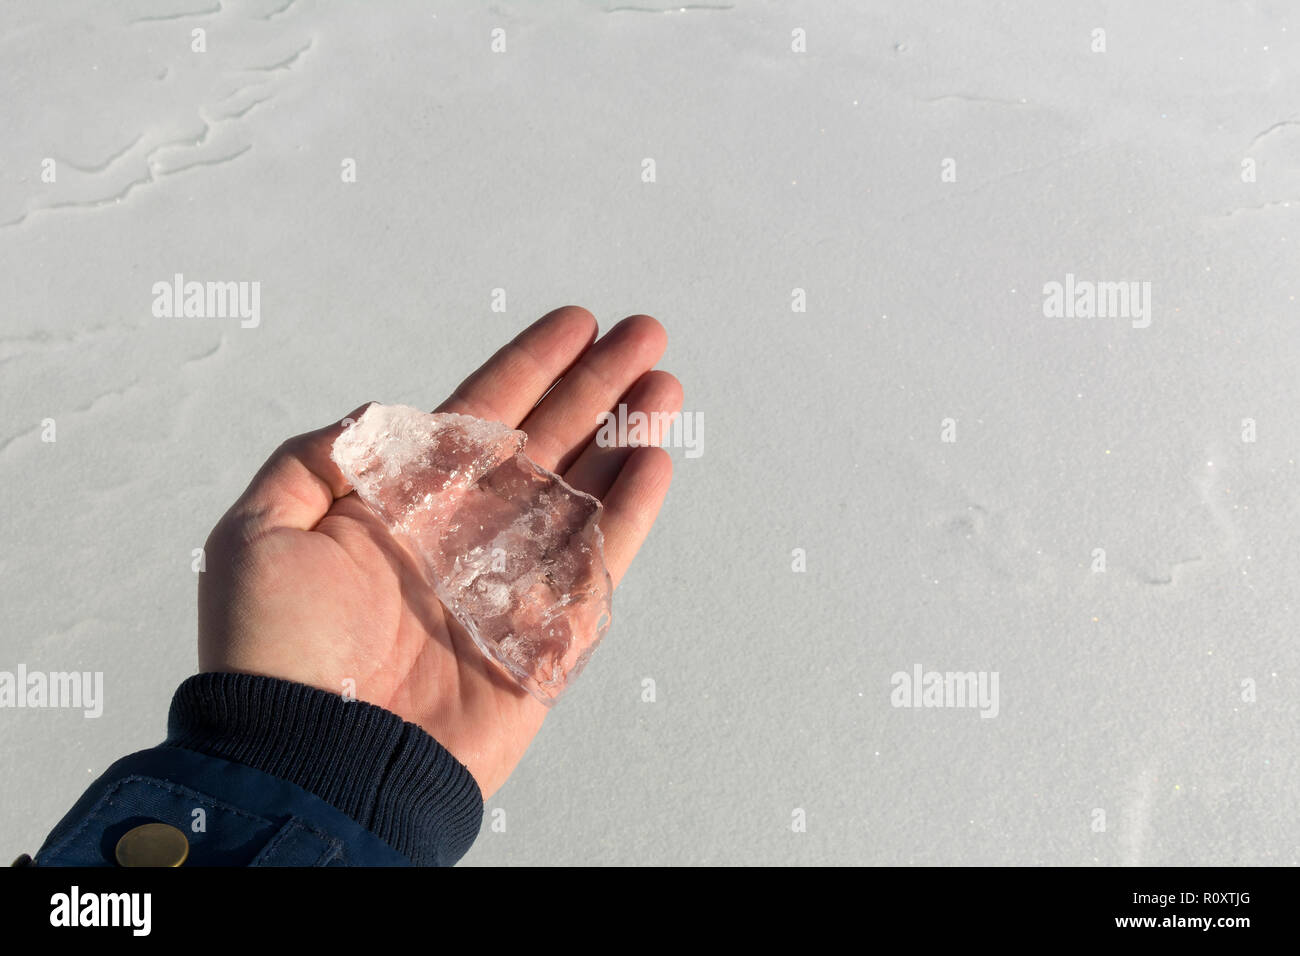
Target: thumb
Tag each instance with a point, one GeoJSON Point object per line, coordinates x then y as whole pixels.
{"type": "Point", "coordinates": [297, 485]}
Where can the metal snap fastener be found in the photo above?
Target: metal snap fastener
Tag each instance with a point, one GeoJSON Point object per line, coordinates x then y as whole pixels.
{"type": "Point", "coordinates": [152, 844]}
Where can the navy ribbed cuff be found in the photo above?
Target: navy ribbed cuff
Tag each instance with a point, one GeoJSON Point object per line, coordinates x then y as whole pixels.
{"type": "Point", "coordinates": [385, 773]}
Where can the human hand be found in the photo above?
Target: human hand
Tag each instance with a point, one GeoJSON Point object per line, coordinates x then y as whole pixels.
{"type": "Point", "coordinates": [304, 583]}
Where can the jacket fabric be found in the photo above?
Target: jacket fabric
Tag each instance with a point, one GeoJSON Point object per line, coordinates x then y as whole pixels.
{"type": "Point", "coordinates": [257, 771]}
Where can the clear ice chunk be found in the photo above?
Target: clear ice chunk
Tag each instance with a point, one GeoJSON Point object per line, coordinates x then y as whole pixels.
{"type": "Point", "coordinates": [510, 549]}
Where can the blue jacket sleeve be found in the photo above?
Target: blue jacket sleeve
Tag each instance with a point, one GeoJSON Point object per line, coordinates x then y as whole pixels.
{"type": "Point", "coordinates": [257, 771]}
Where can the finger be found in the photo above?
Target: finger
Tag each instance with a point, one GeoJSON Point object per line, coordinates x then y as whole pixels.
{"type": "Point", "coordinates": [631, 506]}
{"type": "Point", "coordinates": [657, 396]}
{"type": "Point", "coordinates": [560, 427]}
{"type": "Point", "coordinates": [298, 483]}
{"type": "Point", "coordinates": [507, 386]}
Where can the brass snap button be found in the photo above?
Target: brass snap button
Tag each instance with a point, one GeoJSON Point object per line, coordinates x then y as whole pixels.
{"type": "Point", "coordinates": [152, 844]}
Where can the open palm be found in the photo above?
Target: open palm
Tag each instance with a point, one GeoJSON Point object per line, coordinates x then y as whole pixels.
{"type": "Point", "coordinates": [305, 584]}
